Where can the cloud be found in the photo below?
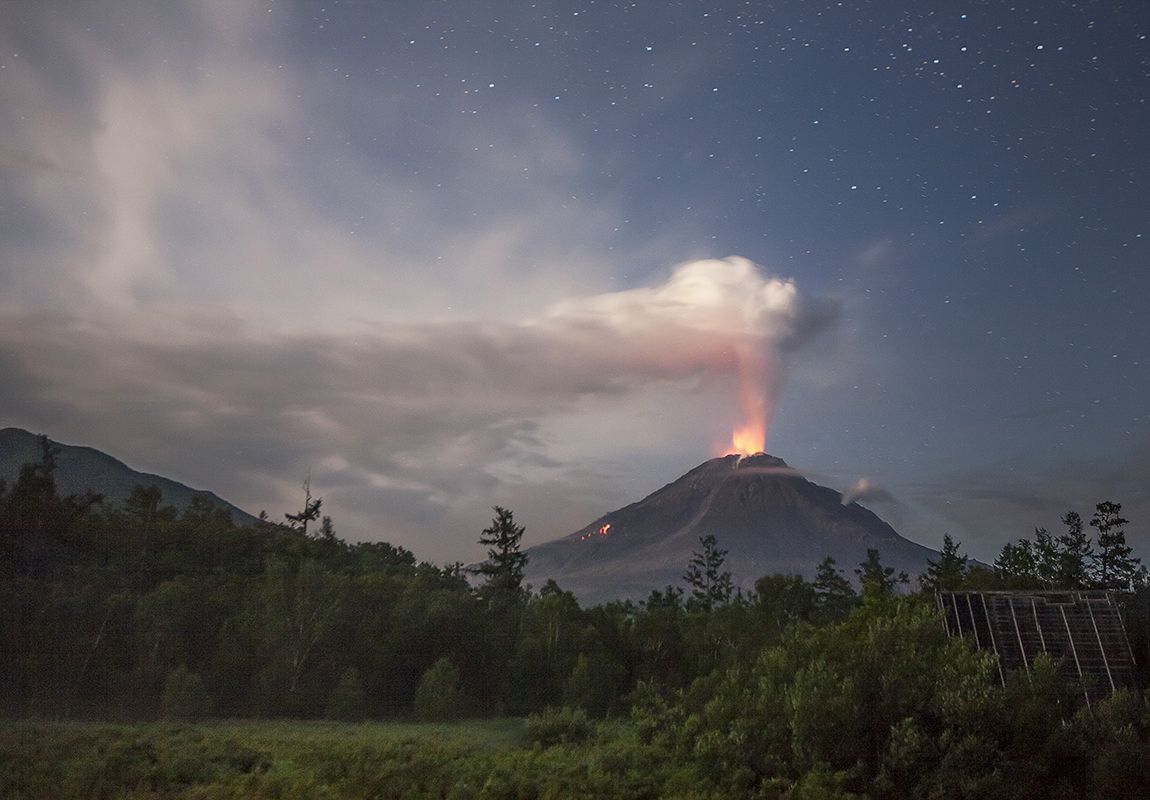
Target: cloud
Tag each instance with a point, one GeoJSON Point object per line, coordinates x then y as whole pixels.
{"type": "Point", "coordinates": [213, 281]}
{"type": "Point", "coordinates": [440, 417]}
{"type": "Point", "coordinates": [698, 318]}
{"type": "Point", "coordinates": [176, 158]}
{"type": "Point", "coordinates": [865, 491]}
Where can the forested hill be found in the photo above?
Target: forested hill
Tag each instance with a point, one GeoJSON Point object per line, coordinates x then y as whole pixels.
{"type": "Point", "coordinates": [85, 469]}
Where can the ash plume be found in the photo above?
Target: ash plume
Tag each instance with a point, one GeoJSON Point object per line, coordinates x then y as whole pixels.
{"type": "Point", "coordinates": [714, 316]}
{"type": "Point", "coordinates": [865, 490]}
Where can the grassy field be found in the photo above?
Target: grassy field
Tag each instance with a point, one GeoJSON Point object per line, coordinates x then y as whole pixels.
{"type": "Point", "coordinates": [276, 759]}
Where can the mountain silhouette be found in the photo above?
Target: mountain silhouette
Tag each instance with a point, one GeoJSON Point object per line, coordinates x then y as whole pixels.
{"type": "Point", "coordinates": [767, 516]}
{"type": "Point", "coordinates": [82, 469]}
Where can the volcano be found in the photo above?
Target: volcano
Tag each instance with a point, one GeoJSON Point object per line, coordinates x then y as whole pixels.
{"type": "Point", "coordinates": [769, 518]}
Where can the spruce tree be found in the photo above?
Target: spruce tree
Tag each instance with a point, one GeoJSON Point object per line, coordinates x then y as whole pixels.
{"type": "Point", "coordinates": [949, 571]}
{"type": "Point", "coordinates": [1031, 564]}
{"type": "Point", "coordinates": [834, 596]}
{"type": "Point", "coordinates": [710, 584]}
{"type": "Point", "coordinates": [1115, 567]}
{"type": "Point", "coordinates": [876, 579]}
{"type": "Point", "coordinates": [1015, 563]}
{"type": "Point", "coordinates": [1074, 554]}
{"type": "Point", "coordinates": [506, 564]}
{"type": "Point", "coordinates": [1046, 559]}
{"type": "Point", "coordinates": [310, 511]}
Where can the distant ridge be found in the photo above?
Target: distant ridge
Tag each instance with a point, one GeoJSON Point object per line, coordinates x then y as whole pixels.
{"type": "Point", "coordinates": [81, 469]}
{"type": "Point", "coordinates": [769, 518]}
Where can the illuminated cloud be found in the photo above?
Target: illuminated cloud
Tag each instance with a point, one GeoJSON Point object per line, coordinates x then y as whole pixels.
{"type": "Point", "coordinates": [865, 491]}
{"type": "Point", "coordinates": [443, 417]}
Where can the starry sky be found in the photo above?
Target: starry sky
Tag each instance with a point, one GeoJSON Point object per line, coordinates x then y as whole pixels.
{"type": "Point", "coordinates": [443, 255]}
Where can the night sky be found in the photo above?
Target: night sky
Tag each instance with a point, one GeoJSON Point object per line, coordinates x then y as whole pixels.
{"type": "Point", "coordinates": [445, 255]}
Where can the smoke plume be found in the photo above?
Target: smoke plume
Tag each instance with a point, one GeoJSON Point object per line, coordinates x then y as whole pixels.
{"type": "Point", "coordinates": [715, 316]}
{"type": "Point", "coordinates": [865, 490]}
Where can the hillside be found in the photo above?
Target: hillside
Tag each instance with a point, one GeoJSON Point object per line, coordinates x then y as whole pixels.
{"type": "Point", "coordinates": [81, 469]}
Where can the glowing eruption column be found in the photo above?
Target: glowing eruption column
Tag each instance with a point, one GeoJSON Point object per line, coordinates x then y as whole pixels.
{"type": "Point", "coordinates": [757, 376]}
{"type": "Point", "coordinates": [748, 439]}
{"type": "Point", "coordinates": [716, 317]}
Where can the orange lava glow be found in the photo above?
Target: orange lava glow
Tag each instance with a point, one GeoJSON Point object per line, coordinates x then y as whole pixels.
{"type": "Point", "coordinates": [603, 530]}
{"type": "Point", "coordinates": [749, 439]}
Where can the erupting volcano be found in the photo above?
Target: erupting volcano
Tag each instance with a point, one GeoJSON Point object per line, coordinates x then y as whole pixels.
{"type": "Point", "coordinates": [748, 440]}
{"type": "Point", "coordinates": [767, 516]}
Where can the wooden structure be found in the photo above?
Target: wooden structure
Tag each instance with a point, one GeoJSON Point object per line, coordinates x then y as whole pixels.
{"type": "Point", "coordinates": [1081, 630]}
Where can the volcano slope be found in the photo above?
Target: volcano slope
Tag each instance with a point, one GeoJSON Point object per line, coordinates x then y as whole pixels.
{"type": "Point", "coordinates": [769, 518]}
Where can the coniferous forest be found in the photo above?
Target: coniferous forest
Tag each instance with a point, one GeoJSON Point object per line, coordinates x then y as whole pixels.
{"type": "Point", "coordinates": [167, 626]}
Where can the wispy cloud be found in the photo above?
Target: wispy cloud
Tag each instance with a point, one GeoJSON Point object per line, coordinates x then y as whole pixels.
{"type": "Point", "coordinates": [176, 159]}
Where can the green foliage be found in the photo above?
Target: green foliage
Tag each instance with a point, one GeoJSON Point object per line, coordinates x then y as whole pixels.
{"type": "Point", "coordinates": [784, 600]}
{"type": "Point", "coordinates": [143, 506]}
{"type": "Point", "coordinates": [310, 511]}
{"type": "Point", "coordinates": [1072, 560]}
{"type": "Point", "coordinates": [1046, 562]}
{"type": "Point", "coordinates": [1074, 554]}
{"type": "Point", "coordinates": [592, 684]}
{"type": "Point", "coordinates": [185, 697]}
{"type": "Point", "coordinates": [503, 571]}
{"type": "Point", "coordinates": [437, 696]}
{"type": "Point", "coordinates": [659, 641]}
{"type": "Point", "coordinates": [796, 690]}
{"type": "Point", "coordinates": [710, 584]}
{"type": "Point", "coordinates": [949, 572]}
{"type": "Point", "coordinates": [82, 761]}
{"type": "Point", "coordinates": [100, 606]}
{"type": "Point", "coordinates": [296, 609]}
{"type": "Point", "coordinates": [878, 581]}
{"type": "Point", "coordinates": [559, 726]}
{"type": "Point", "coordinates": [1115, 566]}
{"type": "Point", "coordinates": [834, 595]}
{"type": "Point", "coordinates": [348, 700]}
{"type": "Point", "coordinates": [1017, 565]}
{"type": "Point", "coordinates": [879, 705]}
{"type": "Point", "coordinates": [38, 528]}
{"type": "Point", "coordinates": [32, 501]}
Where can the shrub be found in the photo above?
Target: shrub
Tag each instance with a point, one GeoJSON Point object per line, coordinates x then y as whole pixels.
{"type": "Point", "coordinates": [559, 726]}
{"type": "Point", "coordinates": [437, 696]}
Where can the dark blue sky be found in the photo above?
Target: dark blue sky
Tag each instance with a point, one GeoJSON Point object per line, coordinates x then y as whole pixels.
{"type": "Point", "coordinates": [243, 241]}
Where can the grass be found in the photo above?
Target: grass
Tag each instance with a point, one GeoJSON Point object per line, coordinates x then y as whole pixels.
{"type": "Point", "coordinates": [488, 734]}
{"type": "Point", "coordinates": [265, 760]}
{"type": "Point", "coordinates": [228, 760]}
{"type": "Point", "coordinates": [234, 758]}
